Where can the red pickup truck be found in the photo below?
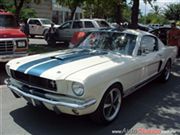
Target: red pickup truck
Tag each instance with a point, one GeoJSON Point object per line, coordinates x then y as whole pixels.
{"type": "Point", "coordinates": [13, 42]}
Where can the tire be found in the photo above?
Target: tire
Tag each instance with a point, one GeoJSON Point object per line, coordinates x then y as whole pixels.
{"type": "Point", "coordinates": [109, 106]}
{"type": "Point", "coordinates": [45, 34]}
{"type": "Point", "coordinates": [166, 72]}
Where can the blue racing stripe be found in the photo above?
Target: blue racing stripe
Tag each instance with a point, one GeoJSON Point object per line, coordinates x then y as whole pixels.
{"type": "Point", "coordinates": [23, 67]}
{"type": "Point", "coordinates": [38, 70]}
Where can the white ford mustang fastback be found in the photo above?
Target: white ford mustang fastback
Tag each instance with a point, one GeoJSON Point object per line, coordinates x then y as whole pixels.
{"type": "Point", "coordinates": [94, 77]}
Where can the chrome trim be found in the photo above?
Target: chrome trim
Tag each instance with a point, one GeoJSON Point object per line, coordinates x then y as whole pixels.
{"type": "Point", "coordinates": [35, 87]}
{"type": "Point", "coordinates": [63, 102]}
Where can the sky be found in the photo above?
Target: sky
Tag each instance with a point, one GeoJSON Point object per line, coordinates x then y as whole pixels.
{"type": "Point", "coordinates": [161, 3]}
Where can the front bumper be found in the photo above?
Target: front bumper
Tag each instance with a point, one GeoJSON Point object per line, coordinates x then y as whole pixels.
{"type": "Point", "coordinates": [57, 101]}
{"type": "Point", "coordinates": [5, 58]}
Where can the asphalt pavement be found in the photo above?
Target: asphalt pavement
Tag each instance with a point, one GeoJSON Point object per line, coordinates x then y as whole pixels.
{"type": "Point", "coordinates": [155, 107]}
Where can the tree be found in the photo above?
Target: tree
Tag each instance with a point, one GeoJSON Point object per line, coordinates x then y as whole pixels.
{"type": "Point", "coordinates": [135, 12]}
{"type": "Point", "coordinates": [172, 12]}
{"type": "Point", "coordinates": [156, 9]}
{"type": "Point", "coordinates": [16, 5]}
{"type": "Point", "coordinates": [72, 5]}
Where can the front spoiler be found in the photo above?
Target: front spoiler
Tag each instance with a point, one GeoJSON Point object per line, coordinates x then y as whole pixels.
{"type": "Point", "coordinates": [62, 101]}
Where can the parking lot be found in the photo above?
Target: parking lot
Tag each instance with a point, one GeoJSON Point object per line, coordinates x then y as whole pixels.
{"type": "Point", "coordinates": [155, 106]}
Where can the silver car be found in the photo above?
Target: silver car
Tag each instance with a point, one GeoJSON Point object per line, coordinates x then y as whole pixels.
{"type": "Point", "coordinates": [66, 30]}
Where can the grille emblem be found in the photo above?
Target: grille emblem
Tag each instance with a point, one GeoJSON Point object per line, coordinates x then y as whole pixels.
{"type": "Point", "coordinates": [53, 84]}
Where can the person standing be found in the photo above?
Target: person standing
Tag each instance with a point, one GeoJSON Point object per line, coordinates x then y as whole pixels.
{"type": "Point", "coordinates": [25, 27]}
{"type": "Point", "coordinates": [173, 37]}
{"type": "Point", "coordinates": [51, 35]}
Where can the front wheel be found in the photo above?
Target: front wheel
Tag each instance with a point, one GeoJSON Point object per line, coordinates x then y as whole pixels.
{"type": "Point", "coordinates": [166, 72]}
{"type": "Point", "coordinates": [109, 106]}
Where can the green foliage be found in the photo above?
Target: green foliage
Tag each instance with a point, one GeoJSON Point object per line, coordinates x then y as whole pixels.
{"type": "Point", "coordinates": [172, 12]}
{"type": "Point", "coordinates": [27, 13]}
{"type": "Point", "coordinates": [153, 18]}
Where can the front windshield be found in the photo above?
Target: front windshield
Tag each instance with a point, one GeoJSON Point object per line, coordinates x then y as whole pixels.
{"type": "Point", "coordinates": [8, 21]}
{"type": "Point", "coordinates": [110, 41]}
{"type": "Point", "coordinates": [46, 21]}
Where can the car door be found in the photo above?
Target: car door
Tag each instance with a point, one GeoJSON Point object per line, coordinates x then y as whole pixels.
{"type": "Point", "coordinates": [76, 26]}
{"type": "Point", "coordinates": [64, 31]}
{"type": "Point", "coordinates": [148, 54]}
{"type": "Point", "coordinates": [35, 27]}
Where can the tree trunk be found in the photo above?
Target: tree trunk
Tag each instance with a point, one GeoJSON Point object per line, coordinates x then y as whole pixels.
{"type": "Point", "coordinates": [134, 14]}
{"type": "Point", "coordinates": [118, 13]}
{"type": "Point", "coordinates": [73, 11]}
{"type": "Point", "coordinates": [18, 7]}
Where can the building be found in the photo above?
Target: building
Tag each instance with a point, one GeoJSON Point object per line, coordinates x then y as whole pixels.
{"type": "Point", "coordinates": [52, 10]}
{"type": "Point", "coordinates": [43, 10]}
{"type": "Point", "coordinates": [61, 14]}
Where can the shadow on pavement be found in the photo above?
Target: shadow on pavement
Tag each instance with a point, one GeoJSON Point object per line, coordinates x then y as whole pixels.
{"type": "Point", "coordinates": [151, 106]}
{"type": "Point", "coordinates": [166, 113]}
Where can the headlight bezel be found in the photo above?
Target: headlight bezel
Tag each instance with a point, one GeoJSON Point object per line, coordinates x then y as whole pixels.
{"type": "Point", "coordinates": [77, 88]}
{"type": "Point", "coordinates": [20, 42]}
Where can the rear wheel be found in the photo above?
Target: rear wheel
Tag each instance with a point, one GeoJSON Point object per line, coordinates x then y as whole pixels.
{"type": "Point", "coordinates": [109, 106]}
{"type": "Point", "coordinates": [166, 72]}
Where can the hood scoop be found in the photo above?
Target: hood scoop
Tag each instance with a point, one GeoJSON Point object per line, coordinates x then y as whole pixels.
{"type": "Point", "coordinates": [77, 54]}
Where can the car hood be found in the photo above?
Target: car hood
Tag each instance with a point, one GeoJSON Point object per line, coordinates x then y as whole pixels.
{"type": "Point", "coordinates": [11, 33]}
{"type": "Point", "coordinates": [59, 65]}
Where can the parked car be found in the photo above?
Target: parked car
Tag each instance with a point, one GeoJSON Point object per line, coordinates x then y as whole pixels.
{"type": "Point", "coordinates": [93, 78]}
{"type": "Point", "coordinates": [66, 30]}
{"type": "Point", "coordinates": [161, 33]}
{"type": "Point", "coordinates": [155, 26]}
{"type": "Point", "coordinates": [39, 26]}
{"type": "Point", "coordinates": [144, 27]}
{"type": "Point", "coordinates": [13, 42]}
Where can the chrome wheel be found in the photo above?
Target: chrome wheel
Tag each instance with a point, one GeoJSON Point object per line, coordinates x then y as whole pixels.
{"type": "Point", "coordinates": [112, 104]}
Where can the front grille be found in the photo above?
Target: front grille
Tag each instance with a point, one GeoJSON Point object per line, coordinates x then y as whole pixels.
{"type": "Point", "coordinates": [6, 47]}
{"type": "Point", "coordinates": [34, 80]}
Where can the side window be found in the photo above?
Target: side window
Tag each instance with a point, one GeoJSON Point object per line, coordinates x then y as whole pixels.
{"type": "Point", "coordinates": [77, 25]}
{"type": "Point", "coordinates": [66, 25]}
{"type": "Point", "coordinates": [37, 22]}
{"type": "Point", "coordinates": [103, 24]}
{"type": "Point", "coordinates": [88, 24]}
{"type": "Point", "coordinates": [31, 22]}
{"type": "Point", "coordinates": [148, 44]}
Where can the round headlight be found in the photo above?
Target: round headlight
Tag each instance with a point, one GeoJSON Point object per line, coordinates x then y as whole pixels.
{"type": "Point", "coordinates": [77, 88]}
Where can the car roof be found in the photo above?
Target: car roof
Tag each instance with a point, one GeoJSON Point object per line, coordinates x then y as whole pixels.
{"type": "Point", "coordinates": [3, 12]}
{"type": "Point", "coordinates": [39, 18]}
{"type": "Point", "coordinates": [95, 19]}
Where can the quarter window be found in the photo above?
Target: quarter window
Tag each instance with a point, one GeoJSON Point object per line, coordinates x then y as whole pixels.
{"type": "Point", "coordinates": [88, 24]}
{"type": "Point", "coordinates": [77, 25]}
{"type": "Point", "coordinates": [148, 44]}
{"type": "Point", "coordinates": [103, 24]}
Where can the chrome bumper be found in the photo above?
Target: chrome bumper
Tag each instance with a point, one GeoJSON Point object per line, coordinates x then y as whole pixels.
{"type": "Point", "coordinates": [5, 58]}
{"type": "Point", "coordinates": [62, 101]}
